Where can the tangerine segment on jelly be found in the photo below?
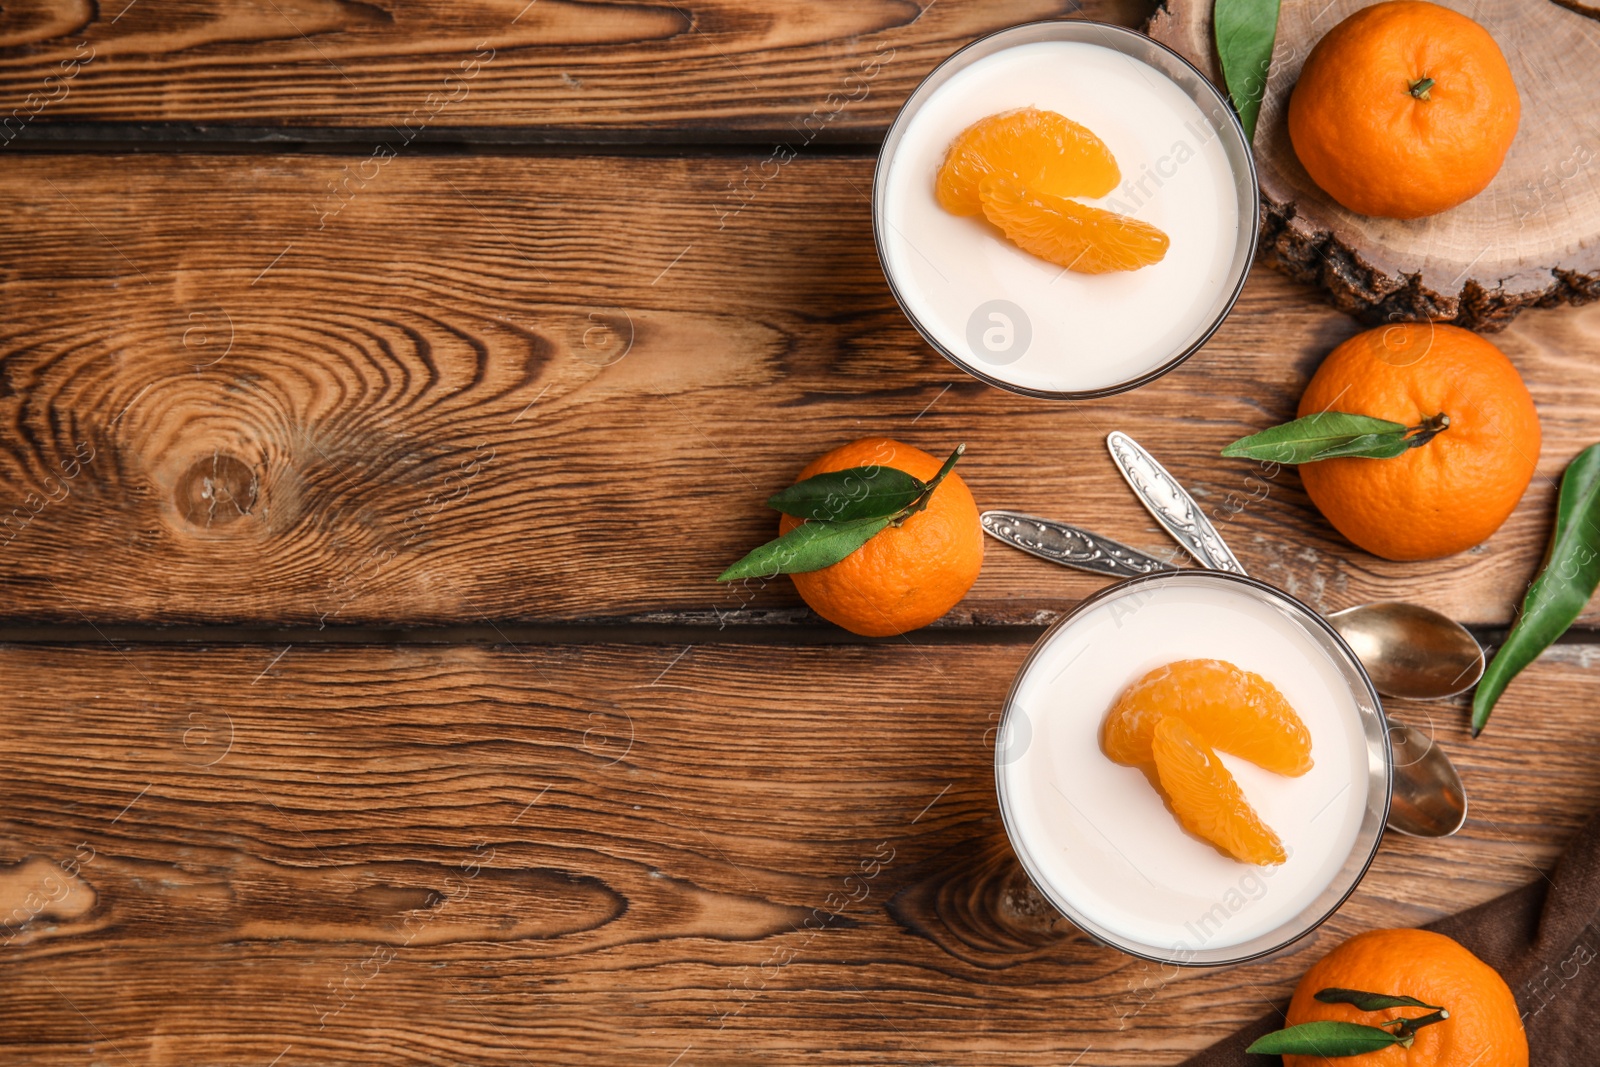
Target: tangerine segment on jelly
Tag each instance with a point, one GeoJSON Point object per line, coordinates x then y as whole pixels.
{"type": "Point", "coordinates": [1171, 722]}
{"type": "Point", "coordinates": [1040, 149]}
{"type": "Point", "coordinates": [1023, 170]}
{"type": "Point", "coordinates": [1081, 238]}
{"type": "Point", "coordinates": [1206, 798]}
{"type": "Point", "coordinates": [1233, 710]}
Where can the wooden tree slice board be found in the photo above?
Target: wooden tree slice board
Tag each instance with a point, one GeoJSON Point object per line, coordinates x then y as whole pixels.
{"type": "Point", "coordinates": [1531, 239]}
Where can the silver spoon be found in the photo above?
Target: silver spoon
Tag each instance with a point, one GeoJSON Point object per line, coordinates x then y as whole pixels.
{"type": "Point", "coordinates": [1428, 799]}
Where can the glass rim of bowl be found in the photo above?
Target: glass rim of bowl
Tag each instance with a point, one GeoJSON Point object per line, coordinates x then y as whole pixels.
{"type": "Point", "coordinates": [1128, 42]}
{"type": "Point", "coordinates": [1368, 835]}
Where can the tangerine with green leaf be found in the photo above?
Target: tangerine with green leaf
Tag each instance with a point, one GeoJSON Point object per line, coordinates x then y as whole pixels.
{"type": "Point", "coordinates": [908, 574]}
{"type": "Point", "coordinates": [1451, 492]}
{"type": "Point", "coordinates": [1483, 1027]}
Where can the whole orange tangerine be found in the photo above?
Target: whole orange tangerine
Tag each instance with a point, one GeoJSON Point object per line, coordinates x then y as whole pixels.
{"type": "Point", "coordinates": [1404, 109]}
{"type": "Point", "coordinates": [1451, 493]}
{"type": "Point", "coordinates": [1484, 1028]}
{"type": "Point", "coordinates": [907, 575]}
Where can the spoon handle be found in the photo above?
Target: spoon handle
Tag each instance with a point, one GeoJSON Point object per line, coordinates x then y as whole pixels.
{"type": "Point", "coordinates": [1171, 504]}
{"type": "Point", "coordinates": [1069, 545]}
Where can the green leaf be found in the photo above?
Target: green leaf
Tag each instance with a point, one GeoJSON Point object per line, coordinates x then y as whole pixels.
{"type": "Point", "coordinates": [856, 493]}
{"type": "Point", "coordinates": [1557, 596]}
{"type": "Point", "coordinates": [1324, 1039]}
{"type": "Point", "coordinates": [1370, 1001]}
{"type": "Point", "coordinates": [1324, 435]}
{"type": "Point", "coordinates": [1366, 446]}
{"type": "Point", "coordinates": [1245, 31]}
{"type": "Point", "coordinates": [810, 546]}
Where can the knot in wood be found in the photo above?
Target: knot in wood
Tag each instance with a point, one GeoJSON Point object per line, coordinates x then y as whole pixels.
{"type": "Point", "coordinates": [216, 490]}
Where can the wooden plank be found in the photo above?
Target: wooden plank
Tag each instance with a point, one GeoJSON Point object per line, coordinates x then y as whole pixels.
{"type": "Point", "coordinates": [560, 389]}
{"type": "Point", "coordinates": [548, 854]}
{"type": "Point", "coordinates": [504, 70]}
{"type": "Point", "coordinates": [554, 853]}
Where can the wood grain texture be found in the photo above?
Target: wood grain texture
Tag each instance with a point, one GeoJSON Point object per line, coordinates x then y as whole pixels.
{"type": "Point", "coordinates": [1531, 239]}
{"type": "Point", "coordinates": [560, 855]}
{"type": "Point", "coordinates": [502, 69]}
{"type": "Point", "coordinates": [560, 389]}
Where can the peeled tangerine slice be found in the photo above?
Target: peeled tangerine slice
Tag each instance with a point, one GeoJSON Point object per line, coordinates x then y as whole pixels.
{"type": "Point", "coordinates": [1206, 799]}
{"type": "Point", "coordinates": [1230, 709]}
{"type": "Point", "coordinates": [1076, 236]}
{"type": "Point", "coordinates": [1040, 149]}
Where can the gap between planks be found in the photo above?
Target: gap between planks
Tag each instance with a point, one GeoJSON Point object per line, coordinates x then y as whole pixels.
{"type": "Point", "coordinates": [491, 632]}
{"type": "Point", "coordinates": [187, 138]}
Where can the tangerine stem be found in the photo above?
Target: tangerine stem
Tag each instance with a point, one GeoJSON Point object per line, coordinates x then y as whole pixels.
{"type": "Point", "coordinates": [1427, 430]}
{"type": "Point", "coordinates": [1408, 1027]}
{"type": "Point", "coordinates": [927, 490]}
{"type": "Point", "coordinates": [1420, 87]}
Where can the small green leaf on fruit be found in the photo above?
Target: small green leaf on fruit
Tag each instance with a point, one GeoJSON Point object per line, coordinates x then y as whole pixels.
{"type": "Point", "coordinates": [1370, 1001]}
{"type": "Point", "coordinates": [810, 546]}
{"type": "Point", "coordinates": [856, 493]}
{"type": "Point", "coordinates": [1324, 1039]}
{"type": "Point", "coordinates": [1325, 435]}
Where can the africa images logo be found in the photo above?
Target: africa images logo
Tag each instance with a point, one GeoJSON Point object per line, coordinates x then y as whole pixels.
{"type": "Point", "coordinates": [998, 332]}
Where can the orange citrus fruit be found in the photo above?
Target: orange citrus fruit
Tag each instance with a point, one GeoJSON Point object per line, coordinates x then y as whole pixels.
{"type": "Point", "coordinates": [1040, 149]}
{"type": "Point", "coordinates": [1404, 109]}
{"type": "Point", "coordinates": [1451, 493]}
{"type": "Point", "coordinates": [1205, 797]}
{"type": "Point", "coordinates": [1229, 708]}
{"type": "Point", "coordinates": [1484, 1028]}
{"type": "Point", "coordinates": [1081, 238]}
{"type": "Point", "coordinates": [907, 575]}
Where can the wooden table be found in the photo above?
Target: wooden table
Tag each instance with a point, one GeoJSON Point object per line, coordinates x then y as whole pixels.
{"type": "Point", "coordinates": [384, 386]}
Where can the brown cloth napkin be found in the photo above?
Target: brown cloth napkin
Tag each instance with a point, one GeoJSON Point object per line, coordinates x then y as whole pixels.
{"type": "Point", "coordinates": [1544, 938]}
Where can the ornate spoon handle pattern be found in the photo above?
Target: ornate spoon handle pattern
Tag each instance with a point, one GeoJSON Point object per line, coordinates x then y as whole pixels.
{"type": "Point", "coordinates": [1171, 504]}
{"type": "Point", "coordinates": [1060, 543]}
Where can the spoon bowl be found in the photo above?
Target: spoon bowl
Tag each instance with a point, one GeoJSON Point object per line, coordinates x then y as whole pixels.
{"type": "Point", "coordinates": [1411, 651]}
{"type": "Point", "coordinates": [1428, 799]}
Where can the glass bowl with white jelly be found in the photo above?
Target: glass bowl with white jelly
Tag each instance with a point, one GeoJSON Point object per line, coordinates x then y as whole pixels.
{"type": "Point", "coordinates": [1025, 324]}
{"type": "Point", "coordinates": [1099, 841]}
